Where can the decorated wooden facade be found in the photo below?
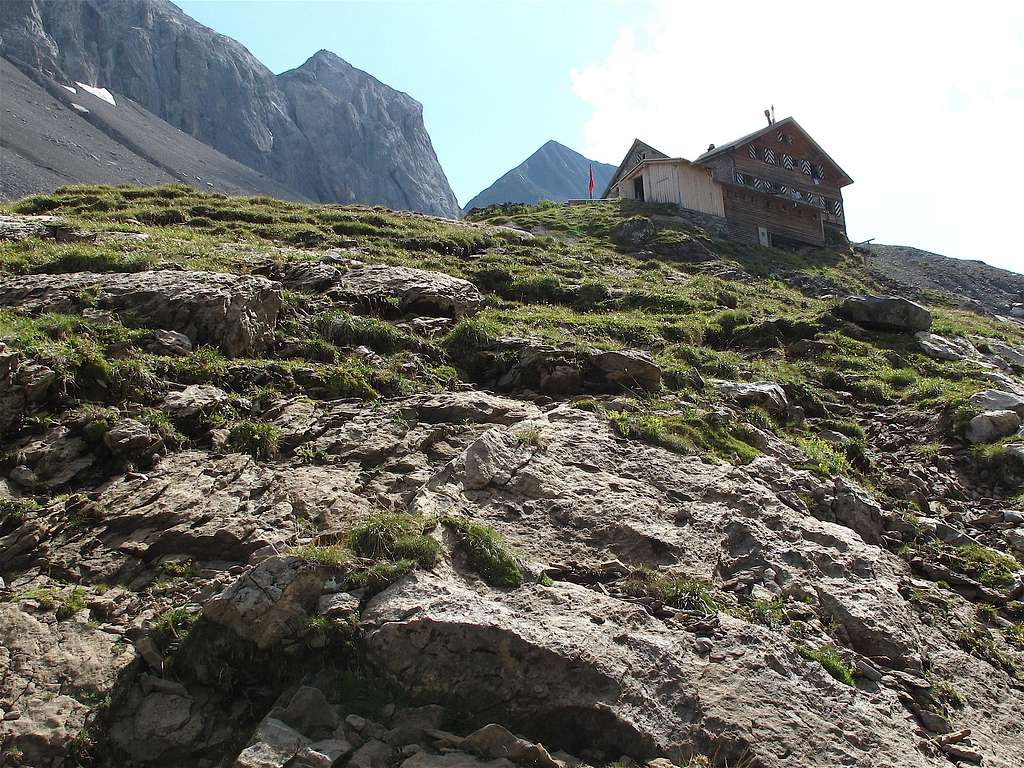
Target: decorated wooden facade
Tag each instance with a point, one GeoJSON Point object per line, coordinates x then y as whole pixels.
{"type": "Point", "coordinates": [774, 186]}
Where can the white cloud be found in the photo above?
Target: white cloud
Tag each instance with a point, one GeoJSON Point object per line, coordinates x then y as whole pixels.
{"type": "Point", "coordinates": [922, 104]}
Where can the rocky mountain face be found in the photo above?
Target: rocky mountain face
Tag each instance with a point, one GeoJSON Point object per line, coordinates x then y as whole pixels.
{"type": "Point", "coordinates": [301, 128]}
{"type": "Point", "coordinates": [321, 486]}
{"type": "Point", "coordinates": [51, 136]}
{"type": "Point", "coordinates": [554, 172]}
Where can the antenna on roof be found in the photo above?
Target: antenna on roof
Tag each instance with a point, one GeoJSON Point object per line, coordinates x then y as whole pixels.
{"type": "Point", "coordinates": [773, 114]}
{"type": "Point", "coordinates": [768, 116]}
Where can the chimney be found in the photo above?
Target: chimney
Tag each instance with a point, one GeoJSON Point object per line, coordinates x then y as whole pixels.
{"type": "Point", "coordinates": [768, 116]}
{"type": "Point", "coordinates": [710, 147]}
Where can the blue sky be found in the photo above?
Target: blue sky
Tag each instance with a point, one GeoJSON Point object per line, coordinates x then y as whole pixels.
{"type": "Point", "coordinates": [494, 77]}
{"type": "Point", "coordinates": [922, 103]}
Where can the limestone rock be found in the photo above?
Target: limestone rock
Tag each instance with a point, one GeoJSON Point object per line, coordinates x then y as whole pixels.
{"type": "Point", "coordinates": [634, 232]}
{"type": "Point", "coordinates": [943, 348]}
{"type": "Point", "coordinates": [238, 313]}
{"type": "Point", "coordinates": [991, 426]}
{"type": "Point", "coordinates": [170, 343]}
{"type": "Point", "coordinates": [133, 441]}
{"type": "Point", "coordinates": [50, 669]}
{"type": "Point", "coordinates": [269, 602]}
{"type": "Point", "coordinates": [631, 369]}
{"type": "Point", "coordinates": [416, 290]}
{"type": "Point", "coordinates": [17, 227]}
{"type": "Point", "coordinates": [195, 399]}
{"type": "Point", "coordinates": [996, 400]}
{"type": "Point", "coordinates": [886, 313]}
{"type": "Point", "coordinates": [563, 653]}
{"type": "Point", "coordinates": [766, 394]}
{"type": "Point", "coordinates": [23, 383]}
{"type": "Point", "coordinates": [495, 741]}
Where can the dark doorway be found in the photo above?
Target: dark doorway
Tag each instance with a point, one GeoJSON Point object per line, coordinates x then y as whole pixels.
{"type": "Point", "coordinates": [638, 187]}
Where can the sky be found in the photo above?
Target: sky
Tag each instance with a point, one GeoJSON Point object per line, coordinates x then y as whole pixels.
{"type": "Point", "coordinates": [922, 103]}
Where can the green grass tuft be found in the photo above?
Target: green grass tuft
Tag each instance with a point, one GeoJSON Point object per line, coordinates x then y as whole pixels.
{"type": "Point", "coordinates": [828, 656]}
{"type": "Point", "coordinates": [487, 552]}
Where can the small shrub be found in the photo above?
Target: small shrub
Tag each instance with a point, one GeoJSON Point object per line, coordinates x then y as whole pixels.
{"type": "Point", "coordinates": [172, 626]}
{"type": "Point", "coordinates": [828, 656]}
{"type": "Point", "coordinates": [487, 552]}
{"type": "Point", "coordinates": [767, 612]}
{"type": "Point", "coordinates": [531, 437]}
{"type": "Point", "coordinates": [204, 365]}
{"type": "Point", "coordinates": [332, 555]}
{"type": "Point", "coordinates": [394, 536]}
{"type": "Point", "coordinates": [683, 592]}
{"type": "Point", "coordinates": [991, 568]}
{"type": "Point", "coordinates": [257, 438]}
{"type": "Point", "coordinates": [825, 460]}
{"type": "Point", "coordinates": [70, 604]}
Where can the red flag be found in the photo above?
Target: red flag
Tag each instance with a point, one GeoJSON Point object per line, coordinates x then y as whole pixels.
{"type": "Point", "coordinates": [590, 186]}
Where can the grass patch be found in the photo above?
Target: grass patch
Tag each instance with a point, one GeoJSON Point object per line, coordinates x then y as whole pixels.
{"type": "Point", "coordinates": [690, 431]}
{"type": "Point", "coordinates": [977, 641]}
{"type": "Point", "coordinates": [681, 592]}
{"type": "Point", "coordinates": [487, 552]}
{"type": "Point", "coordinates": [259, 439]}
{"type": "Point", "coordinates": [331, 555]}
{"type": "Point", "coordinates": [344, 329]}
{"type": "Point", "coordinates": [828, 656]}
{"type": "Point", "coordinates": [991, 568]}
{"type": "Point", "coordinates": [394, 536]}
{"type": "Point", "coordinates": [824, 458]}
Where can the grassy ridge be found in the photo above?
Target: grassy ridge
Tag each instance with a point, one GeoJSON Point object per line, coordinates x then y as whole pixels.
{"type": "Point", "coordinates": [731, 313]}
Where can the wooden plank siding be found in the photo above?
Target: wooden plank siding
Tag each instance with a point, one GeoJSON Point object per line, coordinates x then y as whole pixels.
{"type": "Point", "coordinates": [682, 183]}
{"type": "Point", "coordinates": [746, 210]}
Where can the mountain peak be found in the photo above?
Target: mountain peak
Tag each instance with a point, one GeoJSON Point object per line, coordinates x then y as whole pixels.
{"type": "Point", "coordinates": [553, 172]}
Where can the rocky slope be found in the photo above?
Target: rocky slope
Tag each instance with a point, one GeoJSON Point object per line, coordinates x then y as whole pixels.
{"type": "Point", "coordinates": [554, 172]}
{"type": "Point", "coordinates": [302, 128]}
{"type": "Point", "coordinates": [289, 485]}
{"type": "Point", "coordinates": [51, 136]}
{"type": "Point", "coordinates": [973, 282]}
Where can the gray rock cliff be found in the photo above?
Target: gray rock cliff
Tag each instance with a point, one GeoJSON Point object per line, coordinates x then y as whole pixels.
{"type": "Point", "coordinates": [329, 131]}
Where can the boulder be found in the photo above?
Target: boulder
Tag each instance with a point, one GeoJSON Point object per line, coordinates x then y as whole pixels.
{"type": "Point", "coordinates": [634, 232]}
{"type": "Point", "coordinates": [417, 291]}
{"type": "Point", "coordinates": [23, 383]}
{"type": "Point", "coordinates": [886, 313]}
{"type": "Point", "coordinates": [942, 348]}
{"type": "Point", "coordinates": [494, 740]}
{"type": "Point", "coordinates": [170, 343]}
{"type": "Point", "coordinates": [991, 426]}
{"type": "Point", "coordinates": [134, 441]}
{"type": "Point", "coordinates": [19, 227]}
{"type": "Point", "coordinates": [269, 602]}
{"type": "Point", "coordinates": [1006, 354]}
{"type": "Point", "coordinates": [997, 400]}
{"type": "Point", "coordinates": [767, 394]}
{"type": "Point", "coordinates": [563, 371]}
{"type": "Point", "coordinates": [195, 399]}
{"type": "Point", "coordinates": [629, 369]}
{"type": "Point", "coordinates": [237, 313]}
{"type": "Point", "coordinates": [55, 458]}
